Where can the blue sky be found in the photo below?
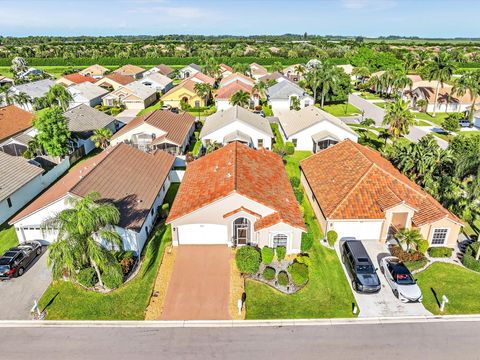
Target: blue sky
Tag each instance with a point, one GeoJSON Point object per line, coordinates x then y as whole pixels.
{"type": "Point", "coordinates": [428, 18]}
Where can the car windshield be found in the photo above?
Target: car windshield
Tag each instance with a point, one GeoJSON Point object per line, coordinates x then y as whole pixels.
{"type": "Point", "coordinates": [4, 268]}
{"type": "Point", "coordinates": [364, 269]}
{"type": "Point", "coordinates": [405, 279]}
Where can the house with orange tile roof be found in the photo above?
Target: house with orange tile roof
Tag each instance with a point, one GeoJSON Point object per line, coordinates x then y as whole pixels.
{"type": "Point", "coordinates": [96, 71]}
{"type": "Point", "coordinates": [237, 77]}
{"type": "Point", "coordinates": [74, 79]}
{"type": "Point", "coordinates": [257, 70]}
{"type": "Point", "coordinates": [358, 193]}
{"type": "Point", "coordinates": [225, 70]}
{"type": "Point", "coordinates": [225, 93]}
{"type": "Point", "coordinates": [201, 78]}
{"type": "Point", "coordinates": [15, 129]}
{"type": "Point", "coordinates": [236, 196]}
{"type": "Point", "coordinates": [158, 130]}
{"type": "Point", "coordinates": [114, 81]}
{"type": "Point", "coordinates": [134, 181]}
{"type": "Point", "coordinates": [183, 92]}
{"type": "Point", "coordinates": [131, 70]}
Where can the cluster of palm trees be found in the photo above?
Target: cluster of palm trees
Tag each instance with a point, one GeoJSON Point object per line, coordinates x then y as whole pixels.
{"type": "Point", "coordinates": [468, 83]}
{"type": "Point", "coordinates": [322, 78]}
{"type": "Point", "coordinates": [390, 82]}
{"type": "Point", "coordinates": [57, 95]}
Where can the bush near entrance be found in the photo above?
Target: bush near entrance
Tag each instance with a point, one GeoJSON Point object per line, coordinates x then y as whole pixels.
{"type": "Point", "coordinates": [281, 252]}
{"type": "Point", "coordinates": [299, 273]}
{"type": "Point", "coordinates": [282, 278]}
{"type": "Point", "coordinates": [269, 273]}
{"type": "Point", "coordinates": [469, 260]}
{"type": "Point", "coordinates": [267, 255]}
{"type": "Point", "coordinates": [332, 237]}
{"type": "Point", "coordinates": [440, 252]}
{"type": "Point", "coordinates": [248, 259]}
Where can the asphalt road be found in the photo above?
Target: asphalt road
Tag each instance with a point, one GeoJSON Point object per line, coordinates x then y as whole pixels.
{"type": "Point", "coordinates": [417, 132]}
{"type": "Point", "coordinates": [369, 110]}
{"type": "Point", "coordinates": [424, 340]}
{"type": "Point", "coordinates": [17, 295]}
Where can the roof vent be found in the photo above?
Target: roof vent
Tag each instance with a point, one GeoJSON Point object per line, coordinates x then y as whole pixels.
{"type": "Point", "coordinates": [229, 175]}
{"type": "Point", "coordinates": [215, 168]}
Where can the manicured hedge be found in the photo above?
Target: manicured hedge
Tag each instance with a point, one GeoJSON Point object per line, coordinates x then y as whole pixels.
{"type": "Point", "coordinates": [269, 273]}
{"type": "Point", "coordinates": [267, 255]}
{"type": "Point", "coordinates": [469, 260]}
{"type": "Point", "coordinates": [281, 252]}
{"type": "Point", "coordinates": [440, 252]}
{"type": "Point", "coordinates": [299, 273]}
{"type": "Point", "coordinates": [282, 278]}
{"type": "Point", "coordinates": [248, 259]}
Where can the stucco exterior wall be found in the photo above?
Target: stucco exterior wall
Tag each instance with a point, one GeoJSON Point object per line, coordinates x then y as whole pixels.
{"type": "Point", "coordinates": [255, 134]}
{"type": "Point", "coordinates": [452, 236]}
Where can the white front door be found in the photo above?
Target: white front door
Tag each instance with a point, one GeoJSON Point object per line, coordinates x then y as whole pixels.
{"type": "Point", "coordinates": [202, 234]}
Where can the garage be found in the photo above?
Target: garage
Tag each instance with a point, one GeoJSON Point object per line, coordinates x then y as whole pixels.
{"type": "Point", "coordinates": [362, 230]}
{"type": "Point", "coordinates": [202, 234]}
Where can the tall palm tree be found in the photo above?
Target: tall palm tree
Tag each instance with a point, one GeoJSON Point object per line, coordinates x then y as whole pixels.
{"type": "Point", "coordinates": [468, 169]}
{"type": "Point", "coordinates": [240, 98]}
{"type": "Point", "coordinates": [22, 99]}
{"type": "Point", "coordinates": [203, 90]}
{"type": "Point", "coordinates": [313, 81]}
{"type": "Point", "coordinates": [468, 83]}
{"type": "Point", "coordinates": [276, 66]}
{"type": "Point", "coordinates": [60, 96]}
{"type": "Point", "coordinates": [101, 137]}
{"type": "Point", "coordinates": [361, 73]}
{"type": "Point", "coordinates": [440, 68]}
{"type": "Point", "coordinates": [242, 68]}
{"type": "Point", "coordinates": [5, 95]}
{"type": "Point", "coordinates": [260, 88]}
{"type": "Point", "coordinates": [300, 69]}
{"type": "Point", "coordinates": [398, 118]}
{"type": "Point", "coordinates": [79, 229]}
{"type": "Point", "coordinates": [327, 82]}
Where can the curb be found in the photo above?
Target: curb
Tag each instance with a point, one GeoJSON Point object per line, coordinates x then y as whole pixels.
{"type": "Point", "coordinates": [238, 323]}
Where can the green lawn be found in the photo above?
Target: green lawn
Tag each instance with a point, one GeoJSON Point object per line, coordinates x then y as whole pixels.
{"type": "Point", "coordinates": [327, 293]}
{"type": "Point", "coordinates": [438, 119]}
{"type": "Point", "coordinates": [458, 284]}
{"type": "Point", "coordinates": [370, 96]}
{"type": "Point", "coordinates": [415, 265]}
{"type": "Point", "coordinates": [341, 109]}
{"type": "Point", "coordinates": [267, 111]}
{"type": "Point", "coordinates": [203, 111]}
{"type": "Point", "coordinates": [382, 105]}
{"type": "Point", "coordinates": [422, 123]}
{"type": "Point", "coordinates": [276, 133]}
{"type": "Point", "coordinates": [151, 108]}
{"type": "Point", "coordinates": [66, 301]}
{"type": "Point", "coordinates": [8, 238]}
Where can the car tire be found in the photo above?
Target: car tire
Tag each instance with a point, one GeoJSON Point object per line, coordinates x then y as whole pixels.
{"type": "Point", "coordinates": [395, 292]}
{"type": "Point", "coordinates": [354, 286]}
{"type": "Point", "coordinates": [39, 251]}
{"type": "Point", "coordinates": [382, 270]}
{"type": "Point", "coordinates": [20, 271]}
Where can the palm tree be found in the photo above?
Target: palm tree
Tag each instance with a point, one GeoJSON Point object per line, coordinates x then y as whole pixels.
{"type": "Point", "coordinates": [361, 72]}
{"type": "Point", "coordinates": [212, 68]}
{"type": "Point", "coordinates": [5, 95]}
{"type": "Point", "coordinates": [295, 103]}
{"type": "Point", "coordinates": [468, 169]}
{"type": "Point", "coordinates": [300, 69]}
{"type": "Point", "coordinates": [440, 68]}
{"type": "Point", "coordinates": [313, 80]}
{"type": "Point", "coordinates": [203, 90]}
{"type": "Point", "coordinates": [79, 230]}
{"type": "Point", "coordinates": [276, 66]}
{"type": "Point", "coordinates": [101, 137]}
{"type": "Point", "coordinates": [327, 81]}
{"type": "Point", "coordinates": [240, 98]}
{"type": "Point", "coordinates": [468, 83]}
{"type": "Point", "coordinates": [398, 118]}
{"type": "Point", "coordinates": [22, 99]}
{"type": "Point", "coordinates": [409, 237]}
{"type": "Point", "coordinates": [60, 96]}
{"type": "Point", "coordinates": [242, 68]}
{"type": "Point", "coordinates": [260, 88]}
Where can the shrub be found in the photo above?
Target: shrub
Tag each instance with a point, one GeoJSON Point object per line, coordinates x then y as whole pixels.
{"type": "Point", "coordinates": [469, 257]}
{"type": "Point", "coordinates": [289, 148]}
{"type": "Point", "coordinates": [406, 255]}
{"type": "Point", "coordinates": [421, 105]}
{"type": "Point", "coordinates": [307, 242]}
{"type": "Point", "coordinates": [422, 246]}
{"type": "Point", "coordinates": [164, 210]}
{"type": "Point", "coordinates": [298, 195]}
{"type": "Point", "coordinates": [440, 252]}
{"type": "Point", "coordinates": [279, 149]}
{"type": "Point", "coordinates": [87, 277]}
{"type": "Point", "coordinates": [267, 255]}
{"type": "Point", "coordinates": [269, 273]}
{"type": "Point", "coordinates": [113, 277]}
{"type": "Point", "coordinates": [282, 278]}
{"type": "Point", "coordinates": [304, 259]}
{"type": "Point", "coordinates": [127, 264]}
{"type": "Point", "coordinates": [295, 181]}
{"type": "Point", "coordinates": [281, 252]}
{"type": "Point", "coordinates": [298, 273]}
{"type": "Point", "coordinates": [247, 259]}
{"type": "Point", "coordinates": [332, 237]}
{"type": "Point", "coordinates": [27, 154]}
{"type": "Point", "coordinates": [451, 122]}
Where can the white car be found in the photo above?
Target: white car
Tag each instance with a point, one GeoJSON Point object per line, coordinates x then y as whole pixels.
{"type": "Point", "coordinates": [400, 279]}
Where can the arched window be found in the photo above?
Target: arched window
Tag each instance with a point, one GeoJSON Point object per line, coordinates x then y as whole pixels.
{"type": "Point", "coordinates": [280, 240]}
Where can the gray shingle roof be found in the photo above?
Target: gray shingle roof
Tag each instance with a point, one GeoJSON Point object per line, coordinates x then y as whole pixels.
{"type": "Point", "coordinates": [15, 172]}
{"type": "Point", "coordinates": [83, 119]}
{"type": "Point", "coordinates": [285, 89]}
{"type": "Point", "coordinates": [225, 117]}
{"type": "Point", "coordinates": [34, 89]}
{"type": "Point", "coordinates": [87, 90]}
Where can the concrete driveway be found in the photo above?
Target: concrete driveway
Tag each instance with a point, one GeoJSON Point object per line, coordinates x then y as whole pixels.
{"type": "Point", "coordinates": [199, 288]}
{"type": "Point", "coordinates": [384, 303]}
{"type": "Point", "coordinates": [17, 295]}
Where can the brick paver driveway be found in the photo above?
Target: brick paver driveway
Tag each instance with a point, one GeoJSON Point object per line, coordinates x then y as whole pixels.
{"type": "Point", "coordinates": [199, 288]}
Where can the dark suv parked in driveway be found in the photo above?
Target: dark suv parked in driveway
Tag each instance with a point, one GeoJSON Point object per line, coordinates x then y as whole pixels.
{"type": "Point", "coordinates": [14, 262]}
{"type": "Point", "coordinates": [360, 267]}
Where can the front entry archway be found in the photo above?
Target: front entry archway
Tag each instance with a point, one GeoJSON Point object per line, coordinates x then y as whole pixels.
{"type": "Point", "coordinates": [241, 231]}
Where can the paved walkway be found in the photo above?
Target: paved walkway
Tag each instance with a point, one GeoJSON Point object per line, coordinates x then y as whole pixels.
{"type": "Point", "coordinates": [383, 303]}
{"type": "Point", "coordinates": [200, 284]}
{"type": "Point", "coordinates": [17, 295]}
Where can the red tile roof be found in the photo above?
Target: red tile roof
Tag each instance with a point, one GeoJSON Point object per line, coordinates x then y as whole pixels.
{"type": "Point", "coordinates": [236, 75]}
{"type": "Point", "coordinates": [118, 78]}
{"type": "Point", "coordinates": [351, 181]}
{"type": "Point", "coordinates": [128, 177]}
{"type": "Point", "coordinates": [226, 92]}
{"type": "Point", "coordinates": [79, 78]}
{"type": "Point", "coordinates": [177, 126]}
{"type": "Point", "coordinates": [256, 174]}
{"type": "Point", "coordinates": [203, 78]}
{"type": "Point", "coordinates": [164, 69]}
{"type": "Point", "coordinates": [14, 120]}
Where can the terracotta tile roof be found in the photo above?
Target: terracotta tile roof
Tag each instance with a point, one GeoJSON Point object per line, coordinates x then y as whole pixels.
{"type": "Point", "coordinates": [97, 70]}
{"type": "Point", "coordinates": [445, 94]}
{"type": "Point", "coordinates": [236, 76]}
{"type": "Point", "coordinates": [225, 67]}
{"type": "Point", "coordinates": [79, 78]}
{"type": "Point", "coordinates": [129, 70]}
{"type": "Point", "coordinates": [118, 78]}
{"type": "Point", "coordinates": [176, 126]}
{"type": "Point", "coordinates": [164, 69]}
{"type": "Point", "coordinates": [256, 174]}
{"type": "Point", "coordinates": [203, 78]}
{"type": "Point", "coordinates": [128, 177]}
{"type": "Point", "coordinates": [240, 209]}
{"type": "Point", "coordinates": [226, 92]}
{"type": "Point", "coordinates": [14, 120]}
{"type": "Point", "coordinates": [258, 69]}
{"type": "Point", "coordinates": [351, 181]}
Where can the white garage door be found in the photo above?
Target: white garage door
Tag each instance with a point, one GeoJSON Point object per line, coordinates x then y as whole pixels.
{"type": "Point", "coordinates": [202, 234]}
{"type": "Point", "coordinates": [362, 230]}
